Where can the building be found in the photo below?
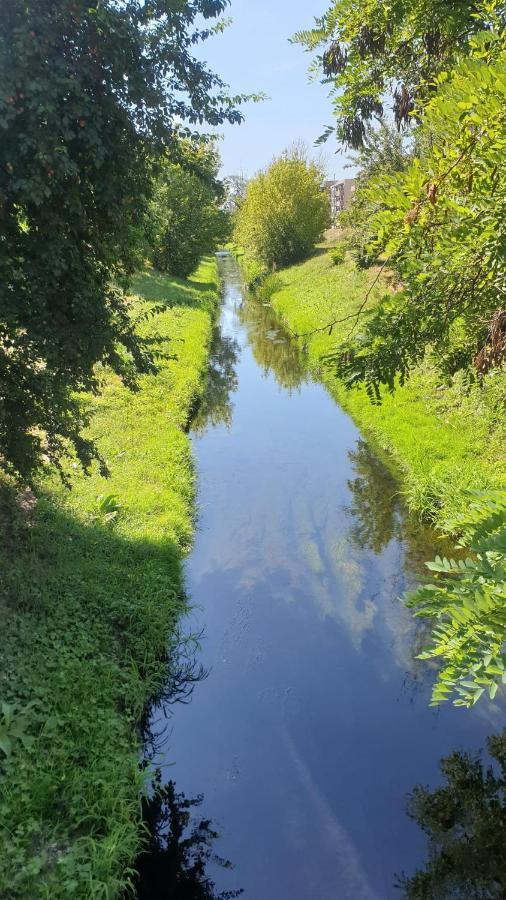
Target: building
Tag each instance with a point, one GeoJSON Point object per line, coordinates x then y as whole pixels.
{"type": "Point", "coordinates": [340, 195]}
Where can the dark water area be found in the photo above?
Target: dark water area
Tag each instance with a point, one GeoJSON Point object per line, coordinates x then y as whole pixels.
{"type": "Point", "coordinates": [295, 755]}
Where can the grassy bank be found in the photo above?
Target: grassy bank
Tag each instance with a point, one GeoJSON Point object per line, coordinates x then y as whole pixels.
{"type": "Point", "coordinates": [442, 438]}
{"type": "Point", "coordinates": [91, 593]}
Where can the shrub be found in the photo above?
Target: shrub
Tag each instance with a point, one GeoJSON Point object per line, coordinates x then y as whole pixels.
{"type": "Point", "coordinates": [338, 254]}
{"type": "Point", "coordinates": [285, 212]}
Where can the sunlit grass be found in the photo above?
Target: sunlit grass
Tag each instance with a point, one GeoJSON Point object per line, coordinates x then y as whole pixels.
{"type": "Point", "coordinates": [444, 439]}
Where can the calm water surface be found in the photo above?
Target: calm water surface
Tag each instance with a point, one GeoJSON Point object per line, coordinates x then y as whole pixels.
{"type": "Point", "coordinates": [313, 723]}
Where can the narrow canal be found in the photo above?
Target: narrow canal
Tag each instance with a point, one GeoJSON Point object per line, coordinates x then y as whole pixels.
{"type": "Point", "coordinates": [313, 723]}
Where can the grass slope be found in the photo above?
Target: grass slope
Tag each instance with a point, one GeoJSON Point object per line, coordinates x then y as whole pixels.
{"type": "Point", "coordinates": [87, 609]}
{"type": "Point", "coordinates": [444, 439]}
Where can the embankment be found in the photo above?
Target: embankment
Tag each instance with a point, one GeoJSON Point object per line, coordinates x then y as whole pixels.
{"type": "Point", "coordinates": [92, 590]}
{"type": "Point", "coordinates": [442, 438]}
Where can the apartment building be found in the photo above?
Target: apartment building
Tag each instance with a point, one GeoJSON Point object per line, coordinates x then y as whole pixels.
{"type": "Point", "coordinates": [340, 195]}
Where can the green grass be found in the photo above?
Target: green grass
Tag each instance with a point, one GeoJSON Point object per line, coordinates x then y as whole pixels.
{"type": "Point", "coordinates": [88, 609]}
{"type": "Point", "coordinates": [442, 439]}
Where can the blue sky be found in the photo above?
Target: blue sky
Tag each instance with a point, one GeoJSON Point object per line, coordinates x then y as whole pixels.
{"type": "Point", "coordinates": [254, 54]}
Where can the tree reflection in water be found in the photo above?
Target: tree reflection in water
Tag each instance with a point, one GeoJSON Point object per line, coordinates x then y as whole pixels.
{"type": "Point", "coordinates": [173, 866]}
{"type": "Point", "coordinates": [179, 848]}
{"type": "Point", "coordinates": [216, 407]}
{"type": "Point", "coordinates": [465, 820]}
{"type": "Point", "coordinates": [379, 515]}
{"type": "Point", "coordinates": [272, 346]}
{"type": "Point", "coordinates": [374, 508]}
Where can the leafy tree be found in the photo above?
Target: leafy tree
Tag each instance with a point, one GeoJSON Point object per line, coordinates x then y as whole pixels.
{"type": "Point", "coordinates": [468, 602]}
{"type": "Point", "coordinates": [465, 820]}
{"type": "Point", "coordinates": [285, 212]}
{"type": "Point", "coordinates": [384, 151]}
{"type": "Point", "coordinates": [378, 54]}
{"type": "Point", "coordinates": [235, 191]}
{"type": "Point", "coordinates": [441, 226]}
{"type": "Point", "coordinates": [187, 215]}
{"type": "Point", "coordinates": [91, 94]}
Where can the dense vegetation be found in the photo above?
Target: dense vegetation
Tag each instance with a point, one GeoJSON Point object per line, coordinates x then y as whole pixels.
{"type": "Point", "coordinates": [432, 209]}
{"type": "Point", "coordinates": [467, 601]}
{"type": "Point", "coordinates": [186, 215]}
{"type": "Point", "coordinates": [91, 593]}
{"type": "Point", "coordinates": [440, 225]}
{"type": "Point", "coordinates": [384, 58]}
{"type": "Point", "coordinates": [285, 211]}
{"type": "Point", "coordinates": [92, 94]}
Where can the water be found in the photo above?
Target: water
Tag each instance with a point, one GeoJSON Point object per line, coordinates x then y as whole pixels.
{"type": "Point", "coordinates": [313, 723]}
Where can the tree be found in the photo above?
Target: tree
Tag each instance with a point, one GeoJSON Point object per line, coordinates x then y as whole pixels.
{"type": "Point", "coordinates": [235, 192]}
{"type": "Point", "coordinates": [465, 820]}
{"type": "Point", "coordinates": [91, 95]}
{"type": "Point", "coordinates": [285, 212]}
{"type": "Point", "coordinates": [441, 226]}
{"type": "Point", "coordinates": [384, 151]}
{"type": "Point", "coordinates": [188, 219]}
{"type": "Point", "coordinates": [382, 58]}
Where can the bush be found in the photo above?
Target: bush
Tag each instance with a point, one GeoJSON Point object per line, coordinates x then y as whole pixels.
{"type": "Point", "coordinates": [285, 212]}
{"type": "Point", "coordinates": [338, 254]}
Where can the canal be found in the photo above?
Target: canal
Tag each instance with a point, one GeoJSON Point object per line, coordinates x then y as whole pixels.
{"type": "Point", "coordinates": [312, 724]}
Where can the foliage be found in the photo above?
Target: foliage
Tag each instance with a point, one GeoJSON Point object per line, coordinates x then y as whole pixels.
{"type": "Point", "coordinates": [376, 53]}
{"type": "Point", "coordinates": [442, 228]}
{"type": "Point", "coordinates": [384, 151]}
{"type": "Point", "coordinates": [465, 820]}
{"type": "Point", "coordinates": [91, 93]}
{"type": "Point", "coordinates": [188, 220]}
{"type": "Point", "coordinates": [285, 212]}
{"type": "Point", "coordinates": [89, 604]}
{"type": "Point", "coordinates": [14, 725]}
{"type": "Point", "coordinates": [468, 603]}
{"type": "Point", "coordinates": [175, 861]}
{"type": "Point", "coordinates": [338, 254]}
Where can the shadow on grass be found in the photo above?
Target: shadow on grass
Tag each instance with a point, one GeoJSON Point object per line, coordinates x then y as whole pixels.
{"type": "Point", "coordinates": [86, 639]}
{"type": "Point", "coordinates": [159, 288]}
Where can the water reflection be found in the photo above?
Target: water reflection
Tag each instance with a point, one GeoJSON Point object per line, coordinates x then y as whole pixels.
{"type": "Point", "coordinates": [216, 407]}
{"type": "Point", "coordinates": [374, 508]}
{"type": "Point", "coordinates": [272, 347]}
{"type": "Point", "coordinates": [465, 821]}
{"type": "Point", "coordinates": [174, 865]}
{"type": "Point", "coordinates": [175, 861]}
